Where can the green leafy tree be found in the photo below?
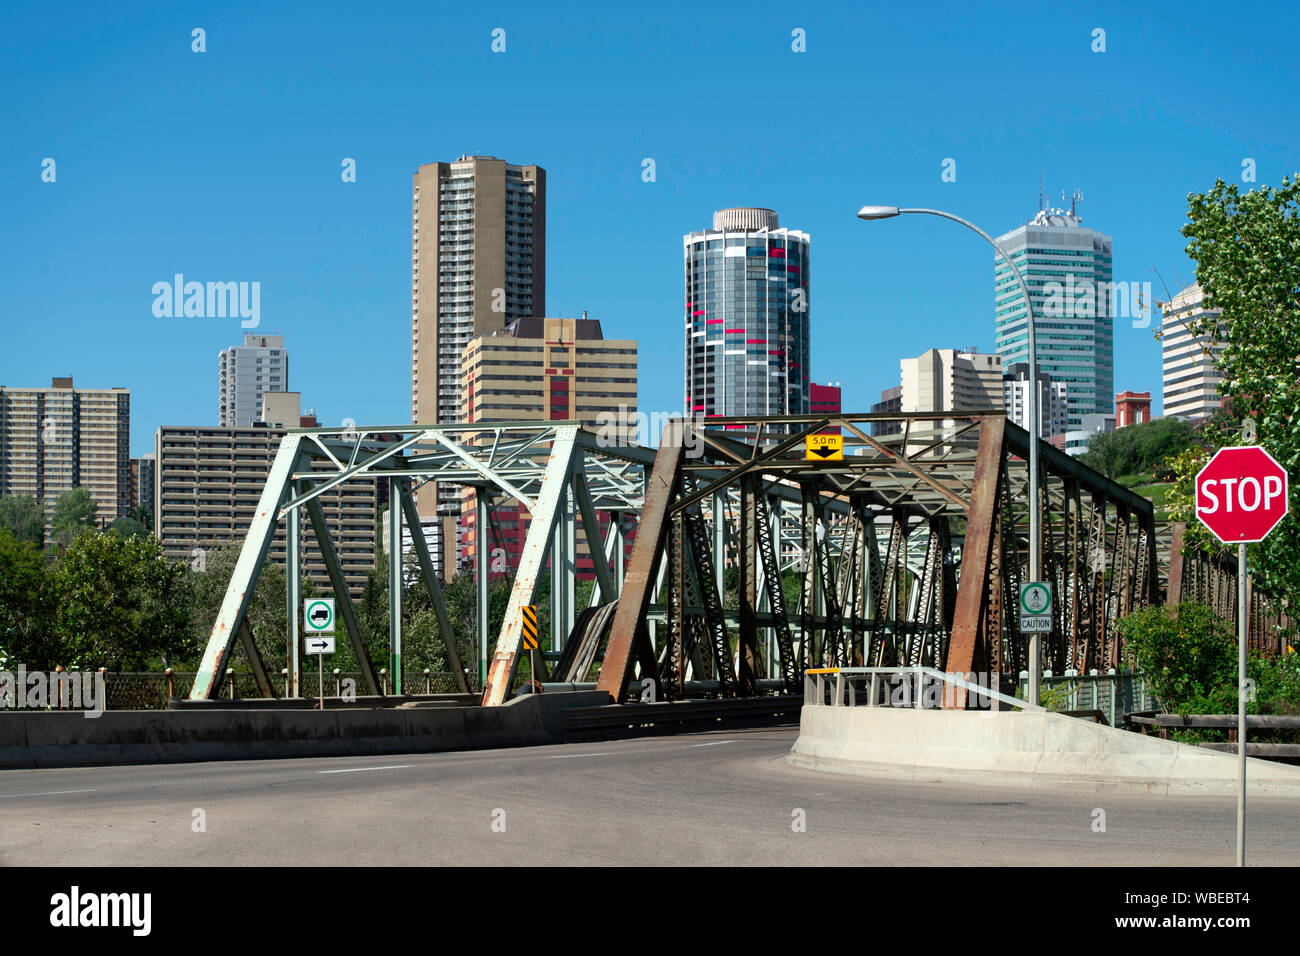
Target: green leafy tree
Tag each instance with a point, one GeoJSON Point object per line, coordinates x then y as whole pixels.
{"type": "Point", "coordinates": [1186, 653]}
{"type": "Point", "coordinates": [143, 515]}
{"type": "Point", "coordinates": [210, 573]}
{"type": "Point", "coordinates": [74, 512]}
{"type": "Point", "coordinates": [26, 605]}
{"type": "Point", "coordinates": [125, 527]}
{"type": "Point", "coordinates": [22, 515]}
{"type": "Point", "coordinates": [1245, 246]}
{"type": "Point", "coordinates": [1137, 449]}
{"type": "Point", "coordinates": [121, 604]}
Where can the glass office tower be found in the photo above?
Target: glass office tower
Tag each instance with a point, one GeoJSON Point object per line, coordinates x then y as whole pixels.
{"type": "Point", "coordinates": [747, 316]}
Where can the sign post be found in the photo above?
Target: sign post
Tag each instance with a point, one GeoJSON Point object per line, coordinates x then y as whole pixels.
{"type": "Point", "coordinates": [1241, 495]}
{"type": "Point", "coordinates": [319, 615]}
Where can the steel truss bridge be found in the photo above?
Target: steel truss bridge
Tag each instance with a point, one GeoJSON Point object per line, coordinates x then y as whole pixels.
{"type": "Point", "coordinates": [750, 563]}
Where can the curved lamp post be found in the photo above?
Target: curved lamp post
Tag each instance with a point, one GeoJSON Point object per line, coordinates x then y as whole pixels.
{"type": "Point", "coordinates": [871, 213]}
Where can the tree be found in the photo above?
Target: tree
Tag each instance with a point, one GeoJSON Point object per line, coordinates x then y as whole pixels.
{"type": "Point", "coordinates": [121, 604]}
{"type": "Point", "coordinates": [143, 515]}
{"type": "Point", "coordinates": [22, 515]}
{"type": "Point", "coordinates": [1246, 263]}
{"type": "Point", "coordinates": [74, 512]}
{"type": "Point", "coordinates": [125, 527]}
{"type": "Point", "coordinates": [266, 614]}
{"type": "Point", "coordinates": [26, 605]}
{"type": "Point", "coordinates": [1137, 449]}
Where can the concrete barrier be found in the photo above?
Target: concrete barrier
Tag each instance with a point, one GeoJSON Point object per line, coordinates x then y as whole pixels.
{"type": "Point", "coordinates": [1031, 749]}
{"type": "Point", "coordinates": [32, 739]}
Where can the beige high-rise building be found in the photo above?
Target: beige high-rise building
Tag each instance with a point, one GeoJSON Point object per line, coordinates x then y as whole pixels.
{"type": "Point", "coordinates": [61, 437]}
{"type": "Point", "coordinates": [940, 380]}
{"type": "Point", "coordinates": [478, 263]}
{"type": "Point", "coordinates": [948, 380]}
{"type": "Point", "coordinates": [548, 369]}
{"type": "Point", "coordinates": [1191, 375]}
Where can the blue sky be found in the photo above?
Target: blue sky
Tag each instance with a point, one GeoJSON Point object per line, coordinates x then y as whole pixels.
{"type": "Point", "coordinates": [225, 165]}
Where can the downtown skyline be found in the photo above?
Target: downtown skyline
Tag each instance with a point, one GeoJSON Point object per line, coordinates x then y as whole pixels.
{"type": "Point", "coordinates": [255, 198]}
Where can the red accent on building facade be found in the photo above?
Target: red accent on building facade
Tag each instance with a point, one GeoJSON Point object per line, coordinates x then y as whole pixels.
{"type": "Point", "coordinates": [1132, 408]}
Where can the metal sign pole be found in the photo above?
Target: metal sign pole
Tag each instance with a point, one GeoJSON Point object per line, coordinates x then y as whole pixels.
{"type": "Point", "coordinates": [1243, 610]}
{"type": "Point", "coordinates": [320, 675]}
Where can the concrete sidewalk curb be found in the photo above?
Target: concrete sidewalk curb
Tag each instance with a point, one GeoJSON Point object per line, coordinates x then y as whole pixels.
{"type": "Point", "coordinates": [40, 739]}
{"type": "Point", "coordinates": [1026, 749]}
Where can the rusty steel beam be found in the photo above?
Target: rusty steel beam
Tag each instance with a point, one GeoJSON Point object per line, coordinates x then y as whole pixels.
{"type": "Point", "coordinates": [634, 599]}
{"type": "Point", "coordinates": [966, 651]}
{"type": "Point", "coordinates": [1177, 565]}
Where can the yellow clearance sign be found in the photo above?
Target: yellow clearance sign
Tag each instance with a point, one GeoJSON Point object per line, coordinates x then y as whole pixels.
{"type": "Point", "coordinates": [823, 447]}
{"type": "Point", "coordinates": [530, 627]}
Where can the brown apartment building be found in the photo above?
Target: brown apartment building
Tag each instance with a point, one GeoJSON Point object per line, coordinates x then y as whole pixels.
{"type": "Point", "coordinates": [478, 263]}
{"type": "Point", "coordinates": [546, 369]}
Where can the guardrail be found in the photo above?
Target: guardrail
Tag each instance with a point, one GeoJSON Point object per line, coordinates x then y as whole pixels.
{"type": "Point", "coordinates": [152, 690]}
{"type": "Point", "coordinates": [1113, 693]}
{"type": "Point", "coordinates": [908, 687]}
{"type": "Point", "coordinates": [1255, 723]}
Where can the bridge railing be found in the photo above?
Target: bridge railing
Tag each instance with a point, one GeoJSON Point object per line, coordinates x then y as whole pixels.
{"type": "Point", "coordinates": [1115, 694]}
{"type": "Point", "coordinates": [921, 688]}
{"type": "Point", "coordinates": [1112, 694]}
{"type": "Point", "coordinates": [151, 690]}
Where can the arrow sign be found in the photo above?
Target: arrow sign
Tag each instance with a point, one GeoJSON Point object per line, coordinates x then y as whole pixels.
{"type": "Point", "coordinates": [320, 645]}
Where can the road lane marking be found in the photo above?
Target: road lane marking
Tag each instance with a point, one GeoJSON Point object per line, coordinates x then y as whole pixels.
{"type": "Point", "coordinates": [599, 753]}
{"type": "Point", "coordinates": [46, 793]}
{"type": "Point", "coordinates": [400, 766]}
{"type": "Point", "coordinates": [714, 743]}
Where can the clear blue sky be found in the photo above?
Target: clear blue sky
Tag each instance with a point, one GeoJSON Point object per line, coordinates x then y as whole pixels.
{"type": "Point", "coordinates": [225, 165]}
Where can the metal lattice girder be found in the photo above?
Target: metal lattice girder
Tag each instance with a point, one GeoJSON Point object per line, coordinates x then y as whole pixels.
{"type": "Point", "coordinates": [234, 606]}
{"type": "Point", "coordinates": [545, 517]}
{"type": "Point", "coordinates": [634, 601]}
{"type": "Point", "coordinates": [343, 598]}
{"type": "Point", "coordinates": [432, 584]}
{"type": "Point", "coordinates": [790, 669]}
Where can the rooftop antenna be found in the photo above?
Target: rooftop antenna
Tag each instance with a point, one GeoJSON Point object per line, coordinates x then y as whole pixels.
{"type": "Point", "coordinates": [1042, 187]}
{"type": "Point", "coordinates": [1075, 198]}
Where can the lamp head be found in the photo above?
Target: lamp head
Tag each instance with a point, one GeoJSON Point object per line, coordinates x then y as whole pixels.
{"type": "Point", "coordinates": [877, 212]}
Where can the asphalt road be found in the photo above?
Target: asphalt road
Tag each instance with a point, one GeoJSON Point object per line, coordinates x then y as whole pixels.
{"type": "Point", "coordinates": [720, 798]}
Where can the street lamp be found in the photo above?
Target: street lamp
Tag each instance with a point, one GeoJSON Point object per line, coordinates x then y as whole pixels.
{"type": "Point", "coordinates": [872, 213]}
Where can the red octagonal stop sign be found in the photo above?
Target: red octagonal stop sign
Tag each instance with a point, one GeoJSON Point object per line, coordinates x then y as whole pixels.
{"type": "Point", "coordinates": [1241, 494]}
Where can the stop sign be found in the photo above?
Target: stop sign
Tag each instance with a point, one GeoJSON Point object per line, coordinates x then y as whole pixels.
{"type": "Point", "coordinates": [1241, 494]}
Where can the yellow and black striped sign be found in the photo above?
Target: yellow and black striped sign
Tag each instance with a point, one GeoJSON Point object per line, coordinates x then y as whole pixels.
{"type": "Point", "coordinates": [530, 627]}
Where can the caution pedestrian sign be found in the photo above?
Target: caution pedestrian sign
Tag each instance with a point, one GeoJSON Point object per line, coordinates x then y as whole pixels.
{"type": "Point", "coordinates": [530, 627]}
{"type": "Point", "coordinates": [1035, 607]}
{"type": "Point", "coordinates": [823, 447]}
